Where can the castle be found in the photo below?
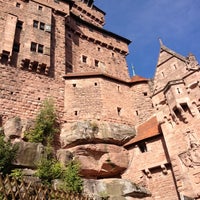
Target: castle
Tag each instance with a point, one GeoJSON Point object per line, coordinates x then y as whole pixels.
{"type": "Point", "coordinates": [59, 49]}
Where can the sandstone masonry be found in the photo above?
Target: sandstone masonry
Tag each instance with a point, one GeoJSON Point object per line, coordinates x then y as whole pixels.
{"type": "Point", "coordinates": [144, 131]}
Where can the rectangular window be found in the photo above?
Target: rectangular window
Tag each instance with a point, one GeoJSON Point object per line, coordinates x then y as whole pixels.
{"type": "Point", "coordinates": [16, 47]}
{"type": "Point", "coordinates": [19, 24]}
{"type": "Point", "coordinates": [96, 63]}
{"type": "Point", "coordinates": [35, 24]}
{"type": "Point", "coordinates": [42, 25]}
{"type": "Point", "coordinates": [40, 48]}
{"type": "Point", "coordinates": [84, 59]}
{"type": "Point", "coordinates": [33, 46]}
{"type": "Point", "coordinates": [48, 28]}
{"type": "Point", "coordinates": [18, 5]}
{"type": "Point", "coordinates": [40, 7]}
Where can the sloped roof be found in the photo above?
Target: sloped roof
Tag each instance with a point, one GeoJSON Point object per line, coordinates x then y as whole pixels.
{"type": "Point", "coordinates": [137, 78]}
{"type": "Point", "coordinates": [146, 130]}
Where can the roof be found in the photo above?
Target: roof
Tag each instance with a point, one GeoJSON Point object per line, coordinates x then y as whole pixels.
{"type": "Point", "coordinates": [137, 78]}
{"type": "Point", "coordinates": [134, 80]}
{"type": "Point", "coordinates": [146, 130]}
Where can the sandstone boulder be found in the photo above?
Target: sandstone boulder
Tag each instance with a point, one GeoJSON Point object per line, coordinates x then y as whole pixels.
{"type": "Point", "coordinates": [91, 131]}
{"type": "Point", "coordinates": [16, 127]}
{"type": "Point", "coordinates": [101, 160]}
{"type": "Point", "coordinates": [13, 128]}
{"type": "Point", "coordinates": [114, 189]}
{"type": "Point", "coordinates": [28, 154]}
{"type": "Point", "coordinates": [64, 156]}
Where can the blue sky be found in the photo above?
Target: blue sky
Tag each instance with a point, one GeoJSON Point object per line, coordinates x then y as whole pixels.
{"type": "Point", "coordinates": [176, 22]}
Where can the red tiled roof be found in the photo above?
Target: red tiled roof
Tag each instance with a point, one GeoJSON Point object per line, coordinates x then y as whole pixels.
{"type": "Point", "coordinates": [137, 78]}
{"type": "Point", "coordinates": [146, 130]}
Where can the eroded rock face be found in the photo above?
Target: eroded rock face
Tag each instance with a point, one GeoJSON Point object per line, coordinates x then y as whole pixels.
{"type": "Point", "coordinates": [100, 160]}
{"type": "Point", "coordinates": [15, 127]}
{"type": "Point", "coordinates": [87, 132]}
{"type": "Point", "coordinates": [114, 188]}
{"type": "Point", "coordinates": [28, 154]}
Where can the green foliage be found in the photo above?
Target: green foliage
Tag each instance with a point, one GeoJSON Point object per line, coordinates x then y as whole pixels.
{"type": "Point", "coordinates": [48, 170]}
{"type": "Point", "coordinates": [7, 155]}
{"type": "Point", "coordinates": [45, 125]}
{"type": "Point", "coordinates": [72, 179]}
{"type": "Point", "coordinates": [17, 174]}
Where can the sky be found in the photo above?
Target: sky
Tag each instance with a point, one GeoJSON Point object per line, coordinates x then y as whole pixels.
{"type": "Point", "coordinates": [176, 22]}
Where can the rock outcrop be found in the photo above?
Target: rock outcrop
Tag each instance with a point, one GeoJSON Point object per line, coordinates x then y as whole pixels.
{"type": "Point", "coordinates": [99, 160]}
{"type": "Point", "coordinates": [28, 154]}
{"type": "Point", "coordinates": [82, 132]}
{"type": "Point", "coordinates": [114, 189]}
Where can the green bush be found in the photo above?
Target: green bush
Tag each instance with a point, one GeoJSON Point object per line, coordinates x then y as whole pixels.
{"type": "Point", "coordinates": [48, 170]}
{"type": "Point", "coordinates": [7, 155]}
{"type": "Point", "coordinates": [17, 174]}
{"type": "Point", "coordinates": [72, 179]}
{"type": "Point", "coordinates": [45, 126]}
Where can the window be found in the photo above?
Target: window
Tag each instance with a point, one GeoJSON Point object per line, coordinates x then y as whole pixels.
{"type": "Point", "coordinates": [40, 7]}
{"type": "Point", "coordinates": [119, 111]}
{"type": "Point", "coordinates": [33, 46]}
{"type": "Point", "coordinates": [143, 147]}
{"type": "Point", "coordinates": [99, 49]}
{"type": "Point", "coordinates": [18, 5]}
{"type": "Point", "coordinates": [16, 47]}
{"type": "Point", "coordinates": [145, 93]}
{"type": "Point", "coordinates": [84, 59]}
{"type": "Point", "coordinates": [48, 28]}
{"type": "Point", "coordinates": [42, 25]}
{"type": "Point", "coordinates": [35, 24]}
{"type": "Point", "coordinates": [184, 106]}
{"type": "Point", "coordinates": [178, 90]}
{"type": "Point", "coordinates": [19, 24]}
{"type": "Point", "coordinates": [96, 63]}
{"type": "Point", "coordinates": [40, 48]}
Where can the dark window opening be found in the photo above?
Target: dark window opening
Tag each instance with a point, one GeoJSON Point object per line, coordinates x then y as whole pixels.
{"type": "Point", "coordinates": [38, 98]}
{"type": "Point", "coordinates": [42, 26]}
{"type": "Point", "coordinates": [35, 24]}
{"type": "Point", "coordinates": [113, 54]}
{"type": "Point", "coordinates": [136, 112]}
{"type": "Point", "coordinates": [96, 62]}
{"type": "Point", "coordinates": [33, 46]}
{"type": "Point", "coordinates": [177, 112]}
{"type": "Point", "coordinates": [99, 49]}
{"type": "Point", "coordinates": [69, 69]}
{"type": "Point", "coordinates": [95, 84]}
{"type": "Point", "coordinates": [119, 111]}
{"type": "Point", "coordinates": [18, 5]}
{"type": "Point", "coordinates": [74, 85]}
{"type": "Point", "coordinates": [185, 107]}
{"type": "Point", "coordinates": [16, 47]}
{"type": "Point", "coordinates": [84, 59]}
{"type": "Point", "coordinates": [40, 48]}
{"type": "Point", "coordinates": [178, 90]}
{"type": "Point", "coordinates": [163, 74]}
{"type": "Point", "coordinates": [76, 113]}
{"type": "Point", "coordinates": [143, 147]}
{"type": "Point", "coordinates": [40, 7]}
{"type": "Point", "coordinates": [145, 93]}
{"type": "Point", "coordinates": [19, 24]}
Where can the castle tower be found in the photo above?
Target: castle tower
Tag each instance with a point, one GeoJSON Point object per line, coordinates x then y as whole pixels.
{"type": "Point", "coordinates": [176, 99]}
